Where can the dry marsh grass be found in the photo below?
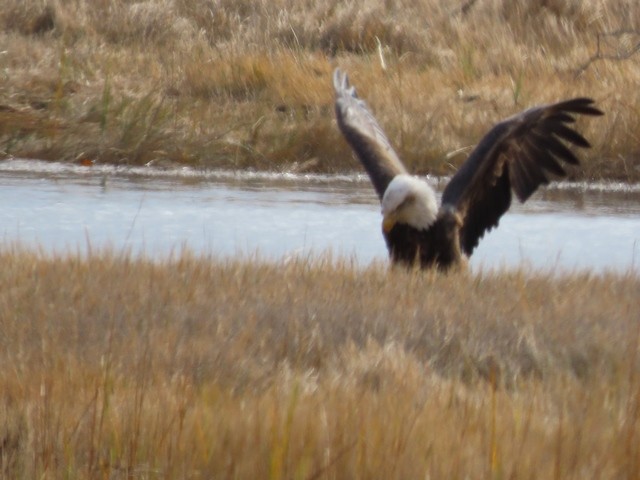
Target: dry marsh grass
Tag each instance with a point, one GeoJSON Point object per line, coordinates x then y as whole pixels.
{"type": "Point", "coordinates": [119, 367]}
{"type": "Point", "coordinates": [237, 84]}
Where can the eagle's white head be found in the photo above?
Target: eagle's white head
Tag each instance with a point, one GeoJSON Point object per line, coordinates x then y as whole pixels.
{"type": "Point", "coordinates": [408, 200]}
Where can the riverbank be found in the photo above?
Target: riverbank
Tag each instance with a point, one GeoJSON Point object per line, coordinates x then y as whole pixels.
{"type": "Point", "coordinates": [119, 367]}
{"type": "Point", "coordinates": [247, 84]}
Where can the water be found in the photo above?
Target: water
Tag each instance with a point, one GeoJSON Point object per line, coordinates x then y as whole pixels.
{"type": "Point", "coordinates": [60, 208]}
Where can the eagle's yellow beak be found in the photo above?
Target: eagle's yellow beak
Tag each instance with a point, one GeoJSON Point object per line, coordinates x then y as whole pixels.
{"type": "Point", "coordinates": [388, 221]}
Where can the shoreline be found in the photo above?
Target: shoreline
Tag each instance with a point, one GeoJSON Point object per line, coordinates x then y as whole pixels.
{"type": "Point", "coordinates": [186, 172]}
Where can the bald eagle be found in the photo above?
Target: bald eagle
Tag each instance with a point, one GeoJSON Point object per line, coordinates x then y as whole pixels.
{"type": "Point", "coordinates": [520, 154]}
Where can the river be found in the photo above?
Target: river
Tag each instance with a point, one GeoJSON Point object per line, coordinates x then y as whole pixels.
{"type": "Point", "coordinates": [60, 208]}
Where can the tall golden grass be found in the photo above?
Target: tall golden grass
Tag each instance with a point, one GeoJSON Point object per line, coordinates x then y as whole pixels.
{"type": "Point", "coordinates": [246, 83]}
{"type": "Point", "coordinates": [115, 366]}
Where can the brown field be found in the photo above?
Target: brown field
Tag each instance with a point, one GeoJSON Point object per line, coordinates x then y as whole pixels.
{"type": "Point", "coordinates": [117, 367]}
{"type": "Point", "coordinates": [246, 83]}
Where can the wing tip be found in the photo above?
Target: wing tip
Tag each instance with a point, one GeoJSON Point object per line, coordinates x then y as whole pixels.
{"type": "Point", "coordinates": [582, 105]}
{"type": "Point", "coordinates": [342, 85]}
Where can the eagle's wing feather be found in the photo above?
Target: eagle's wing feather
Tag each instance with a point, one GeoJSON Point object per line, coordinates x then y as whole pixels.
{"type": "Point", "coordinates": [365, 135]}
{"type": "Point", "coordinates": [519, 154]}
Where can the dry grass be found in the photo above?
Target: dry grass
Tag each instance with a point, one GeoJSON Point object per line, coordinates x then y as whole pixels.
{"type": "Point", "coordinates": [116, 367]}
{"type": "Point", "coordinates": [236, 84]}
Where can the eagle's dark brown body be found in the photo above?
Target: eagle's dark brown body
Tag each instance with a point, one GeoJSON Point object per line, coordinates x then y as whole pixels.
{"type": "Point", "coordinates": [435, 246]}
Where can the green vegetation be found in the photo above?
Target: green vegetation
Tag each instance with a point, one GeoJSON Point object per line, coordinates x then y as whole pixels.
{"type": "Point", "coordinates": [118, 367]}
{"type": "Point", "coordinates": [247, 83]}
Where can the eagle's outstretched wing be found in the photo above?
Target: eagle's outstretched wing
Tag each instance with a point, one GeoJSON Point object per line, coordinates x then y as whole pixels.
{"type": "Point", "coordinates": [365, 136]}
{"type": "Point", "coordinates": [519, 154]}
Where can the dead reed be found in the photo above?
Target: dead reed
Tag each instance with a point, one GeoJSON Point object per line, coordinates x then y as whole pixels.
{"type": "Point", "coordinates": [122, 367]}
{"type": "Point", "coordinates": [246, 83]}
